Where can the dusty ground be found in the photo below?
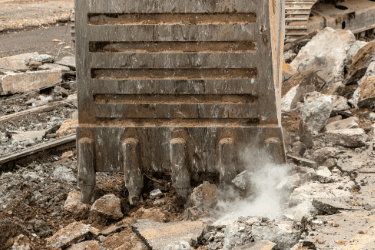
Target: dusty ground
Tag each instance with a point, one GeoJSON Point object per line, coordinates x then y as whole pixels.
{"type": "Point", "coordinates": [26, 14]}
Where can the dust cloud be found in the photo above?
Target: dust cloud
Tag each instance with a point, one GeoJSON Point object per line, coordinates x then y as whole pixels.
{"type": "Point", "coordinates": [263, 199]}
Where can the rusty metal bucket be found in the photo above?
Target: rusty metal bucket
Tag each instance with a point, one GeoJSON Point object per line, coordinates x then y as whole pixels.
{"type": "Point", "coordinates": [176, 86]}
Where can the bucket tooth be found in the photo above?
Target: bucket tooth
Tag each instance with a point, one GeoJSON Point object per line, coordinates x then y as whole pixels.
{"type": "Point", "coordinates": [275, 149]}
{"type": "Point", "coordinates": [86, 169]}
{"type": "Point", "coordinates": [226, 161]}
{"type": "Point", "coordinates": [132, 171]}
{"type": "Point", "coordinates": [180, 171]}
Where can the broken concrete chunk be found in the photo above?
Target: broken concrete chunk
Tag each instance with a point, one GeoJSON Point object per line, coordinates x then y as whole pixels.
{"type": "Point", "coordinates": [330, 206]}
{"type": "Point", "coordinates": [182, 245]}
{"type": "Point", "coordinates": [356, 46]}
{"type": "Point", "coordinates": [160, 235]}
{"type": "Point", "coordinates": [22, 242]}
{"type": "Point", "coordinates": [69, 235]}
{"type": "Point", "coordinates": [340, 103]}
{"type": "Point", "coordinates": [304, 209]}
{"type": "Point", "coordinates": [68, 61]}
{"type": "Point", "coordinates": [34, 65]}
{"type": "Point", "coordinates": [74, 205]}
{"type": "Point", "coordinates": [372, 132]}
{"type": "Point", "coordinates": [27, 135]}
{"type": "Point", "coordinates": [366, 93]}
{"type": "Point", "coordinates": [26, 82]}
{"type": "Point", "coordinates": [297, 87]}
{"type": "Point", "coordinates": [284, 237]}
{"type": "Point", "coordinates": [64, 173]}
{"type": "Point", "coordinates": [242, 180]}
{"type": "Point", "coordinates": [155, 193]}
{"type": "Point", "coordinates": [86, 245]}
{"type": "Point", "coordinates": [316, 111]}
{"type": "Point", "coordinates": [54, 67]}
{"type": "Point", "coordinates": [351, 138]}
{"type": "Point", "coordinates": [311, 190]}
{"type": "Point", "coordinates": [349, 123]}
{"type": "Point", "coordinates": [299, 149]}
{"type": "Point", "coordinates": [108, 206]}
{"type": "Point", "coordinates": [8, 64]}
{"type": "Point", "coordinates": [323, 174]}
{"type": "Point", "coordinates": [296, 180]}
{"type": "Point", "coordinates": [326, 54]}
{"type": "Point", "coordinates": [205, 195]}
{"type": "Point", "coordinates": [44, 58]}
{"type": "Point", "coordinates": [361, 62]}
{"type": "Point", "coordinates": [259, 245]}
{"type": "Point", "coordinates": [67, 127]}
{"type": "Point", "coordinates": [322, 154]}
{"type": "Point", "coordinates": [237, 233]}
{"type": "Point", "coordinates": [303, 161]}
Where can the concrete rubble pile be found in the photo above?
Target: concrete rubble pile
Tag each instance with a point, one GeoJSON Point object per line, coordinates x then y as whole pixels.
{"type": "Point", "coordinates": [329, 124]}
{"type": "Point", "coordinates": [45, 103]}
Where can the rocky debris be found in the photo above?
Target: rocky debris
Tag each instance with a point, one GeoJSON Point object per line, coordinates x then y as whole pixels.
{"type": "Point", "coordinates": [366, 93]}
{"type": "Point", "coordinates": [356, 46]}
{"type": "Point", "coordinates": [259, 245]}
{"type": "Point", "coordinates": [289, 56]}
{"type": "Point", "coordinates": [324, 175]}
{"type": "Point", "coordinates": [74, 205]}
{"type": "Point", "coordinates": [326, 54]}
{"type": "Point", "coordinates": [349, 123]}
{"type": "Point", "coordinates": [304, 210]}
{"type": "Point", "coordinates": [72, 99]}
{"type": "Point", "coordinates": [54, 67]}
{"type": "Point", "coordinates": [15, 63]}
{"type": "Point", "coordinates": [68, 61]}
{"type": "Point", "coordinates": [27, 135]}
{"type": "Point", "coordinates": [64, 173]}
{"type": "Point", "coordinates": [205, 195]}
{"type": "Point", "coordinates": [331, 206]}
{"type": "Point", "coordinates": [242, 180]}
{"type": "Point", "coordinates": [303, 161]}
{"type": "Point", "coordinates": [296, 180]}
{"type": "Point", "coordinates": [372, 132]}
{"type": "Point", "coordinates": [340, 103]}
{"type": "Point", "coordinates": [69, 235]}
{"type": "Point", "coordinates": [316, 111]}
{"type": "Point", "coordinates": [108, 206]}
{"type": "Point", "coordinates": [34, 65]}
{"type": "Point", "coordinates": [155, 193]}
{"type": "Point", "coordinates": [12, 83]}
{"type": "Point", "coordinates": [150, 213]}
{"type": "Point", "coordinates": [22, 242]}
{"type": "Point", "coordinates": [86, 245]}
{"type": "Point", "coordinates": [361, 62]}
{"type": "Point", "coordinates": [8, 231]}
{"type": "Point", "coordinates": [158, 235]}
{"type": "Point", "coordinates": [44, 58]}
{"type": "Point", "coordinates": [182, 245]}
{"type": "Point", "coordinates": [351, 138]}
{"type": "Point", "coordinates": [311, 190]}
{"type": "Point", "coordinates": [283, 235]}
{"type": "Point", "coordinates": [321, 155]}
{"type": "Point", "coordinates": [67, 127]}
{"type": "Point", "coordinates": [294, 90]}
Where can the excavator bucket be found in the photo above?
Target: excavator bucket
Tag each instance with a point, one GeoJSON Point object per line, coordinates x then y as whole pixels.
{"type": "Point", "coordinates": [176, 86]}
